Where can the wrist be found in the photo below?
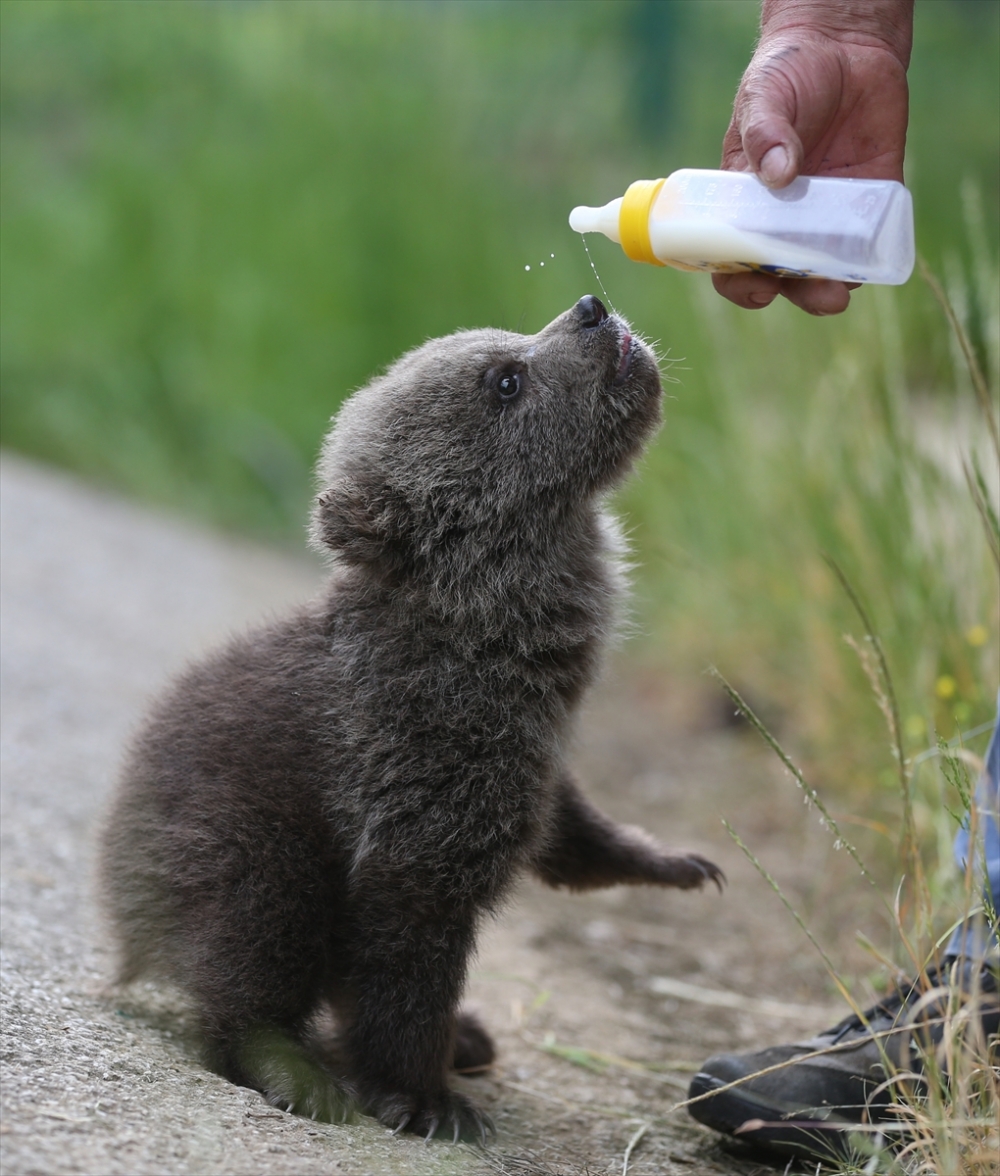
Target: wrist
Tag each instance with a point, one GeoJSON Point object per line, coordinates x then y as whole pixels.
{"type": "Point", "coordinates": [884, 24]}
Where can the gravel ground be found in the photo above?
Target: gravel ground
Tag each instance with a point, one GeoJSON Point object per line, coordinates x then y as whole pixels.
{"type": "Point", "coordinates": [586, 995]}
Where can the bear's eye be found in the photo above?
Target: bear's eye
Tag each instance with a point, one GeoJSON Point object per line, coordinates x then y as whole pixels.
{"type": "Point", "coordinates": [509, 386]}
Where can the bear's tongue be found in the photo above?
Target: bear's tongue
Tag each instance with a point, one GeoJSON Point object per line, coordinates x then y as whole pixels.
{"type": "Point", "coordinates": [626, 352]}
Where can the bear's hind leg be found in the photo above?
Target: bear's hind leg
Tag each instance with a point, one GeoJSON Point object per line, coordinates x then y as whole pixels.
{"type": "Point", "coordinates": [253, 955]}
{"type": "Point", "coordinates": [474, 1050]}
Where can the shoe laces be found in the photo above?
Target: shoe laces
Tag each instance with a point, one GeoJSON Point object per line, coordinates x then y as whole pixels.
{"type": "Point", "coordinates": [886, 1012]}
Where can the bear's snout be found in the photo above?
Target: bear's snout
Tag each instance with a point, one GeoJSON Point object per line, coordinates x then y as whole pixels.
{"type": "Point", "coordinates": [591, 311]}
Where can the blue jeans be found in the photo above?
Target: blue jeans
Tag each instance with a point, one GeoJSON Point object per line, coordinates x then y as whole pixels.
{"type": "Point", "coordinates": [975, 938]}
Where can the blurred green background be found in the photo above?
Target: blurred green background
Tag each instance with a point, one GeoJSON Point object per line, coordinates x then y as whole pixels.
{"type": "Point", "coordinates": [220, 217]}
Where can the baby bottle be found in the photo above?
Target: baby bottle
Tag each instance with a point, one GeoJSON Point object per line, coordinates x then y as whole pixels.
{"type": "Point", "coordinates": [727, 221]}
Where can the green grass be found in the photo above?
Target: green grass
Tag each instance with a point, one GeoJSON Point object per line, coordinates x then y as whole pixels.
{"type": "Point", "coordinates": [738, 508]}
{"type": "Point", "coordinates": [219, 218]}
{"type": "Point", "coordinates": [944, 1097]}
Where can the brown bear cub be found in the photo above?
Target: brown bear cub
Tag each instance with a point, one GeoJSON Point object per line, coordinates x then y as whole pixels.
{"type": "Point", "coordinates": [322, 813]}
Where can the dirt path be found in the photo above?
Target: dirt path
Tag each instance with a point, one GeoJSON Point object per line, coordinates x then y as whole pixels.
{"type": "Point", "coordinates": [589, 996]}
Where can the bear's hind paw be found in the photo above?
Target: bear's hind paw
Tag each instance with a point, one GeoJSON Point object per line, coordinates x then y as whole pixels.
{"type": "Point", "coordinates": [290, 1078]}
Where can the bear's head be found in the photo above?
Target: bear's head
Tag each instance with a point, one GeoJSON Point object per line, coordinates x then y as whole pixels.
{"type": "Point", "coordinates": [485, 437]}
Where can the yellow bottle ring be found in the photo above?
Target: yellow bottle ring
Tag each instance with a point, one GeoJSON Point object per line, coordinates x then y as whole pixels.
{"type": "Point", "coordinates": [633, 220]}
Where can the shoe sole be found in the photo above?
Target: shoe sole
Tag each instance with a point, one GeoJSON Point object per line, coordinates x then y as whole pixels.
{"type": "Point", "coordinates": [728, 1111]}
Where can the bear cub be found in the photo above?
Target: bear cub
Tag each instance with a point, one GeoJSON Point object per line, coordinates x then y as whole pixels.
{"type": "Point", "coordinates": [320, 815]}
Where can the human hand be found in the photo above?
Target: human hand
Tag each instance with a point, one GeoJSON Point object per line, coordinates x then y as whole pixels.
{"type": "Point", "coordinates": [825, 94]}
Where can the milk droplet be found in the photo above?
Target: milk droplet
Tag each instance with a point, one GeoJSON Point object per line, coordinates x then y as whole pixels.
{"type": "Point", "coordinates": [527, 267]}
{"type": "Point", "coordinates": [541, 263]}
{"type": "Point", "coordinates": [551, 255]}
{"type": "Point", "coordinates": [596, 274]}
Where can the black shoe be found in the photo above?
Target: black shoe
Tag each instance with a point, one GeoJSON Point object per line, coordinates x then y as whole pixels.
{"type": "Point", "coordinates": [831, 1084]}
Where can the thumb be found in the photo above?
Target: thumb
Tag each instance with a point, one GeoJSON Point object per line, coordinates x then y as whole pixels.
{"type": "Point", "coordinates": [771, 146]}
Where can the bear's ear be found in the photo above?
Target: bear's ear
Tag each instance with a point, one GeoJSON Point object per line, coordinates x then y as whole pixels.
{"type": "Point", "coordinates": [363, 524]}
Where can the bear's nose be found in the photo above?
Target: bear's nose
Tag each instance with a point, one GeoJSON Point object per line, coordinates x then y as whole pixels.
{"type": "Point", "coordinates": [591, 311]}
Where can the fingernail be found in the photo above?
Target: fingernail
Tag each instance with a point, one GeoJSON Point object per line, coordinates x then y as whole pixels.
{"type": "Point", "coordinates": [774, 165]}
{"type": "Point", "coordinates": [760, 299]}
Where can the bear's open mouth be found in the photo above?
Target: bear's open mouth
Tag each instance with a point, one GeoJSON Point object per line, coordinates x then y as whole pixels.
{"type": "Point", "coordinates": [626, 356]}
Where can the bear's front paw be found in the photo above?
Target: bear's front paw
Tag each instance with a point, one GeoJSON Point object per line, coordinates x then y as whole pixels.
{"type": "Point", "coordinates": [688, 871]}
{"type": "Point", "coordinates": [448, 1116]}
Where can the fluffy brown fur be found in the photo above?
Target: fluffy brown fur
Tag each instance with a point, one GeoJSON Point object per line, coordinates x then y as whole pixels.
{"type": "Point", "coordinates": [324, 810]}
